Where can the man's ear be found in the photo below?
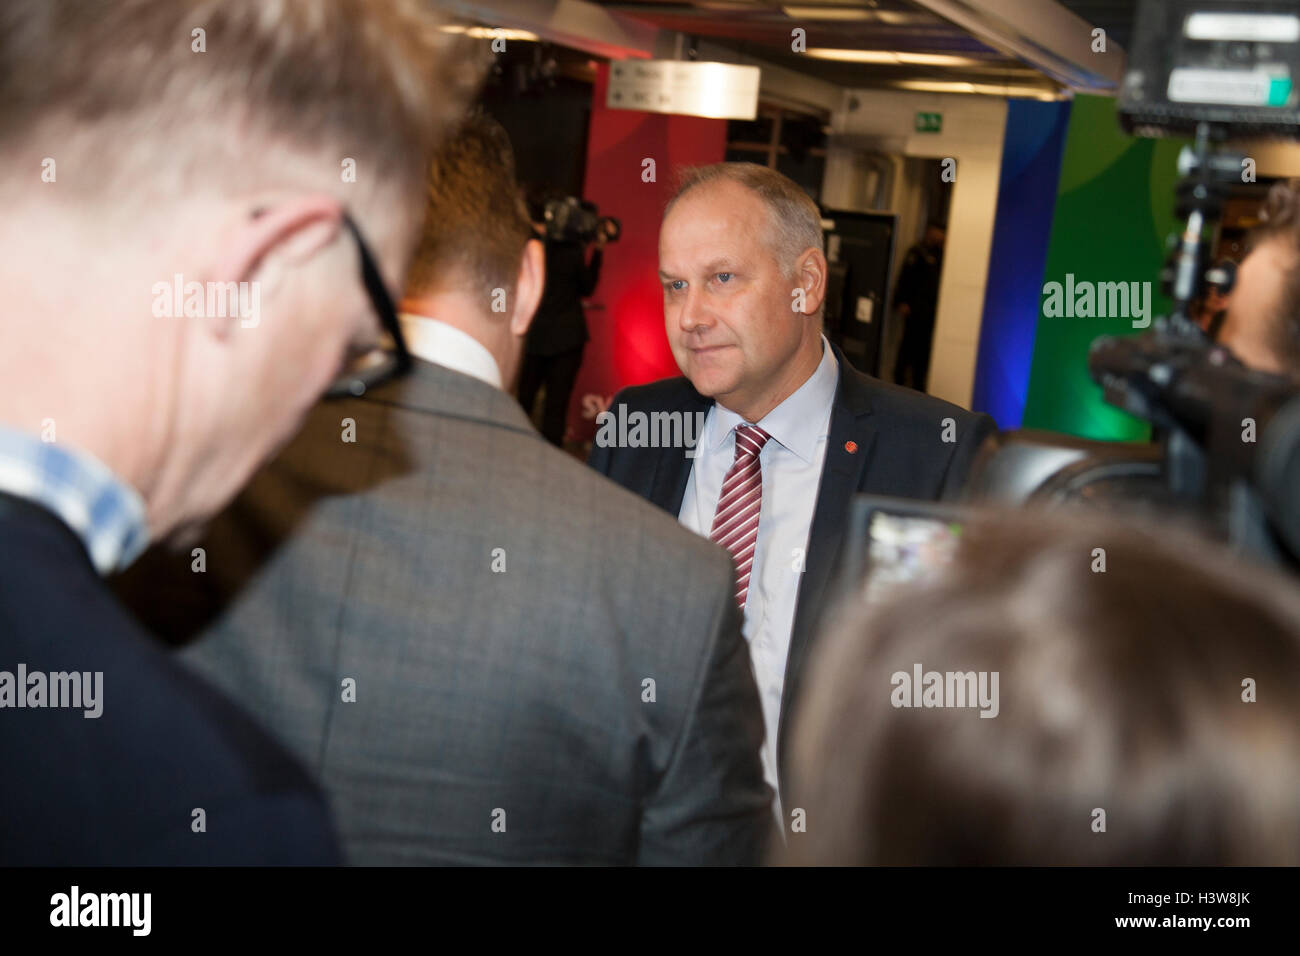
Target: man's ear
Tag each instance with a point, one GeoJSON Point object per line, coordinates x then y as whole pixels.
{"type": "Point", "coordinates": [812, 278]}
{"type": "Point", "coordinates": [265, 242]}
{"type": "Point", "coordinates": [528, 287]}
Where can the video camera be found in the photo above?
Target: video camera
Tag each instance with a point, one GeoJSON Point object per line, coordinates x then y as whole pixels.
{"type": "Point", "coordinates": [570, 219]}
{"type": "Point", "coordinates": [1227, 438]}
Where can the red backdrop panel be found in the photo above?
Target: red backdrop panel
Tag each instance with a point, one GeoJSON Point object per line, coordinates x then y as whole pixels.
{"type": "Point", "coordinates": [628, 345]}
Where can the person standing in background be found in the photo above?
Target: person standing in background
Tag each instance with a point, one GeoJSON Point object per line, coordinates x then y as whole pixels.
{"type": "Point", "coordinates": [916, 299]}
{"type": "Point", "coordinates": [555, 343]}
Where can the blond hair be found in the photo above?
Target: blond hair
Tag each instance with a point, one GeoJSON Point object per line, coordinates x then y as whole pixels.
{"type": "Point", "coordinates": [166, 95]}
{"type": "Point", "coordinates": [476, 224]}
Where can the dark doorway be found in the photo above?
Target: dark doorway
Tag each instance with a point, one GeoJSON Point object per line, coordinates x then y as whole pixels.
{"type": "Point", "coordinates": [859, 248]}
{"type": "Point", "coordinates": [541, 94]}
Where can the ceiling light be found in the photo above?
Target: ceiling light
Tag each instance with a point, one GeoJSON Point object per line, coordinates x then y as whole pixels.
{"type": "Point", "coordinates": [894, 57]}
{"type": "Point", "coordinates": [491, 33]}
{"type": "Point", "coordinates": [828, 13]}
{"type": "Point", "coordinates": [986, 89]}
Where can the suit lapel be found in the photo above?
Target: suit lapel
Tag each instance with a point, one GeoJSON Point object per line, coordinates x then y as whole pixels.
{"type": "Point", "coordinates": [850, 444]}
{"type": "Point", "coordinates": [672, 470]}
{"type": "Point", "coordinates": [668, 486]}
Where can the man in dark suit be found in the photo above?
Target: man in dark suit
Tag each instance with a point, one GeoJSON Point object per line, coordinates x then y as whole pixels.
{"type": "Point", "coordinates": [136, 400]}
{"type": "Point", "coordinates": [487, 652]}
{"type": "Point", "coordinates": [558, 336]}
{"type": "Point", "coordinates": [785, 430]}
{"type": "Point", "coordinates": [917, 299]}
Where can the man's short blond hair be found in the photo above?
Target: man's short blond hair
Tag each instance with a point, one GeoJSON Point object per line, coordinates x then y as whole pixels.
{"type": "Point", "coordinates": [476, 224]}
{"type": "Point", "coordinates": [152, 97]}
{"type": "Point", "coordinates": [795, 222]}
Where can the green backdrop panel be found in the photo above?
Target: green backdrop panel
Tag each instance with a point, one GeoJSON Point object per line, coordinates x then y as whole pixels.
{"type": "Point", "coordinates": [1114, 210]}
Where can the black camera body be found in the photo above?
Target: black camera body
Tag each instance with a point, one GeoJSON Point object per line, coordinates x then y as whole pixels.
{"type": "Point", "coordinates": [1230, 435]}
{"type": "Point", "coordinates": [576, 220]}
{"type": "Point", "coordinates": [1227, 448]}
{"type": "Point", "coordinates": [1230, 63]}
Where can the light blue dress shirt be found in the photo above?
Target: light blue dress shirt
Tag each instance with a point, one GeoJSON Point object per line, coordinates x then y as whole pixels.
{"type": "Point", "coordinates": [791, 464]}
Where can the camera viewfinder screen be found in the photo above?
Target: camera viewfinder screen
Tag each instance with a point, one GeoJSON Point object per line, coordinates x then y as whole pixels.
{"type": "Point", "coordinates": [907, 548]}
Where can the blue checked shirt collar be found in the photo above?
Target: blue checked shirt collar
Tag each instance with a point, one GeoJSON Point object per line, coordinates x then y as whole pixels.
{"type": "Point", "coordinates": [107, 514]}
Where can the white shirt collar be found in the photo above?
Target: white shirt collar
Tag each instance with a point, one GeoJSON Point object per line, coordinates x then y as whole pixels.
{"type": "Point", "coordinates": [788, 422]}
{"type": "Point", "coordinates": [435, 341]}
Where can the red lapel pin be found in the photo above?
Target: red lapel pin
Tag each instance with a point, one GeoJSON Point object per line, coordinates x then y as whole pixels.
{"type": "Point", "coordinates": [851, 447]}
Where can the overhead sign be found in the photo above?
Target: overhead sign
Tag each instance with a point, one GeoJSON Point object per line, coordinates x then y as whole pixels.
{"type": "Point", "coordinates": [715, 90]}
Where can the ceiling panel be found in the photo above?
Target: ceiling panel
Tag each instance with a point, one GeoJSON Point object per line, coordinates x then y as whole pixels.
{"type": "Point", "coordinates": [763, 30]}
{"type": "Point", "coordinates": [1113, 16]}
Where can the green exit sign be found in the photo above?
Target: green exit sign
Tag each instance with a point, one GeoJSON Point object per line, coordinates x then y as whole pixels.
{"type": "Point", "coordinates": [929, 122]}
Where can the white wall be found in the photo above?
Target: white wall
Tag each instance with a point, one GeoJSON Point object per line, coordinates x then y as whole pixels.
{"type": "Point", "coordinates": [1272, 157]}
{"type": "Point", "coordinates": [972, 133]}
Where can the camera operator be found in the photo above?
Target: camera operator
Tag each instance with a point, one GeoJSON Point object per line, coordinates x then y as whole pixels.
{"type": "Point", "coordinates": [917, 299]}
{"type": "Point", "coordinates": [553, 349]}
{"type": "Point", "coordinates": [1262, 325]}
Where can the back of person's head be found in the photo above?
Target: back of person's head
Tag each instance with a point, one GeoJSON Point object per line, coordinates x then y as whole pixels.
{"type": "Point", "coordinates": [476, 223]}
{"type": "Point", "coordinates": [147, 99]}
{"type": "Point", "coordinates": [478, 265]}
{"type": "Point", "coordinates": [1262, 325]}
{"type": "Point", "coordinates": [177, 176]}
{"type": "Point", "coordinates": [1145, 710]}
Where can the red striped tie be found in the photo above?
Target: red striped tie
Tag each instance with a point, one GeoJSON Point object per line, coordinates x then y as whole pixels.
{"type": "Point", "coordinates": [735, 523]}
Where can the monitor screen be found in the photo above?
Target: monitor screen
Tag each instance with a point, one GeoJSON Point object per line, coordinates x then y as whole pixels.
{"type": "Point", "coordinates": [902, 548]}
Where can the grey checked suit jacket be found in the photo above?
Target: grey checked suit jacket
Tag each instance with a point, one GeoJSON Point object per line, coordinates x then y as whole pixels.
{"type": "Point", "coordinates": [499, 612]}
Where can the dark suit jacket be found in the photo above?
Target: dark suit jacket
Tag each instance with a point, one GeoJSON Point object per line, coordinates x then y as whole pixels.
{"type": "Point", "coordinates": [500, 609]}
{"type": "Point", "coordinates": [121, 789]}
{"type": "Point", "coordinates": [899, 451]}
{"type": "Point", "coordinates": [560, 324]}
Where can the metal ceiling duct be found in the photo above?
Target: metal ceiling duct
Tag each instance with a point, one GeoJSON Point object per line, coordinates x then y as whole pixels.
{"type": "Point", "coordinates": [1043, 34]}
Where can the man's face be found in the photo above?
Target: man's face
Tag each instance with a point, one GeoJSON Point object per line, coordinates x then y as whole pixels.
{"type": "Point", "coordinates": [313, 316]}
{"type": "Point", "coordinates": [1255, 302]}
{"type": "Point", "coordinates": [727, 301]}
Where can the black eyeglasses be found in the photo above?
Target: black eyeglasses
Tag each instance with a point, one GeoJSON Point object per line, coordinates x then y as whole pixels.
{"type": "Point", "coordinates": [390, 359]}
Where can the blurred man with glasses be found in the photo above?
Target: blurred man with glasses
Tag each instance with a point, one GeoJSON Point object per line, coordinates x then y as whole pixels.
{"type": "Point", "coordinates": [216, 145]}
